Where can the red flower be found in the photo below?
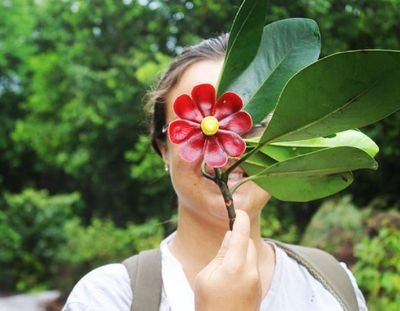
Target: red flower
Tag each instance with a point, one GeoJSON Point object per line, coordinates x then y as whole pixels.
{"type": "Point", "coordinates": [208, 127]}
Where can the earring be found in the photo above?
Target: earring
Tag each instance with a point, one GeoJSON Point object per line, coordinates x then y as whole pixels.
{"type": "Point", "coordinates": [166, 168]}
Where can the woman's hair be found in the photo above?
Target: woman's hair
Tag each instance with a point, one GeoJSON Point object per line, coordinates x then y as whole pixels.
{"type": "Point", "coordinates": [155, 100]}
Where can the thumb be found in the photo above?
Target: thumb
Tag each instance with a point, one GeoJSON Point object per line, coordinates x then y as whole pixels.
{"type": "Point", "coordinates": [224, 246]}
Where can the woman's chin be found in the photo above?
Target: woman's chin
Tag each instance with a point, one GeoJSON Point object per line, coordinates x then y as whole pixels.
{"type": "Point", "coordinates": [219, 211]}
{"type": "Point", "coordinates": [248, 197]}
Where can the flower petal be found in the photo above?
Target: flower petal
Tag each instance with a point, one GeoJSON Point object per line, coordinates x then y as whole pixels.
{"type": "Point", "coordinates": [214, 154]}
{"type": "Point", "coordinates": [227, 104]}
{"type": "Point", "coordinates": [232, 143]}
{"type": "Point", "coordinates": [204, 96]}
{"type": "Point", "coordinates": [185, 108]}
{"type": "Point", "coordinates": [192, 149]}
{"type": "Point", "coordinates": [179, 130]}
{"type": "Point", "coordinates": [239, 122]}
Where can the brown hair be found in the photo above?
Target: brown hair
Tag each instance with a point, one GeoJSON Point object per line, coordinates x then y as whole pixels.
{"type": "Point", "coordinates": [155, 100]}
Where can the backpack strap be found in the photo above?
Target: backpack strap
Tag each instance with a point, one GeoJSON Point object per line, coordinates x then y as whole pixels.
{"type": "Point", "coordinates": [327, 270]}
{"type": "Point", "coordinates": [144, 272]}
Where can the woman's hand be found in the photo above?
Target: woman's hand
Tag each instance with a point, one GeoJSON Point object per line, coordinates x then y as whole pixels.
{"type": "Point", "coordinates": [231, 281]}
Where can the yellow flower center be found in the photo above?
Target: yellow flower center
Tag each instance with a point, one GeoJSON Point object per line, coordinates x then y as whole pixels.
{"type": "Point", "coordinates": [209, 125]}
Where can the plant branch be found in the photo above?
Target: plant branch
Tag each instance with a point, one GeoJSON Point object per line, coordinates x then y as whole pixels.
{"type": "Point", "coordinates": [227, 194]}
{"type": "Point", "coordinates": [205, 173]}
{"type": "Point", "coordinates": [244, 158]}
{"type": "Point", "coordinates": [221, 179]}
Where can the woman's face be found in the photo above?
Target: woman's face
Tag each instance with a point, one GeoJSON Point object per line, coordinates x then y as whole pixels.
{"type": "Point", "coordinates": [197, 195]}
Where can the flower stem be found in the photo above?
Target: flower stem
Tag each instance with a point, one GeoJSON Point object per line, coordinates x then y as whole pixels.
{"type": "Point", "coordinates": [221, 180]}
{"type": "Point", "coordinates": [244, 158]}
{"type": "Point", "coordinates": [205, 173]}
{"type": "Point", "coordinates": [228, 204]}
{"type": "Point", "coordinates": [228, 199]}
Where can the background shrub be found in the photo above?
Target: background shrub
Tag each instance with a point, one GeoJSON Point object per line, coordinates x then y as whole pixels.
{"type": "Point", "coordinates": [99, 243]}
{"type": "Point", "coordinates": [378, 266]}
{"type": "Point", "coordinates": [336, 227]}
{"type": "Point", "coordinates": [32, 233]}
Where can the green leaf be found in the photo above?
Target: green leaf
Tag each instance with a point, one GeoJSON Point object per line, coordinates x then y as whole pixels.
{"type": "Point", "coordinates": [342, 91]}
{"type": "Point", "coordinates": [244, 39]}
{"type": "Point", "coordinates": [349, 138]}
{"type": "Point", "coordinates": [283, 153]}
{"type": "Point", "coordinates": [325, 161]}
{"type": "Point", "coordinates": [305, 188]}
{"type": "Point", "coordinates": [260, 159]}
{"type": "Point", "coordinates": [286, 47]}
{"type": "Point", "coordinates": [285, 150]}
{"type": "Point", "coordinates": [313, 175]}
{"type": "Point", "coordinates": [253, 168]}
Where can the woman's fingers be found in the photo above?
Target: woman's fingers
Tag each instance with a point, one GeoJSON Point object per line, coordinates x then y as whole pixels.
{"type": "Point", "coordinates": [231, 281]}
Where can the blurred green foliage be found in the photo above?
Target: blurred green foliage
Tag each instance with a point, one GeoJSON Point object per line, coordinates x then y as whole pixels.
{"type": "Point", "coordinates": [31, 227]}
{"type": "Point", "coordinates": [88, 247]}
{"type": "Point", "coordinates": [278, 223]}
{"type": "Point", "coordinates": [378, 266]}
{"type": "Point", "coordinates": [43, 243]}
{"type": "Point", "coordinates": [72, 75]}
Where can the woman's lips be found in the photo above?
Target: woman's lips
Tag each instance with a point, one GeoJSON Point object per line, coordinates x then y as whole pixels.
{"type": "Point", "coordinates": [235, 177]}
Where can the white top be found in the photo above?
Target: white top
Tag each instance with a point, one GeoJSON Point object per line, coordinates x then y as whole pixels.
{"type": "Point", "coordinates": [292, 288]}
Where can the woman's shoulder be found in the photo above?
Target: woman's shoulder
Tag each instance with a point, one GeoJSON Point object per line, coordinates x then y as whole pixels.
{"type": "Point", "coordinates": [105, 288]}
{"type": "Point", "coordinates": [291, 271]}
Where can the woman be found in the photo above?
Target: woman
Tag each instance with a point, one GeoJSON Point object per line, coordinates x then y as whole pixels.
{"type": "Point", "coordinates": [204, 267]}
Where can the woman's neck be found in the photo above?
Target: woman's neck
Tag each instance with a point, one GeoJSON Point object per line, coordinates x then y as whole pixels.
{"type": "Point", "coordinates": [197, 242]}
{"type": "Point", "coordinates": [196, 238]}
